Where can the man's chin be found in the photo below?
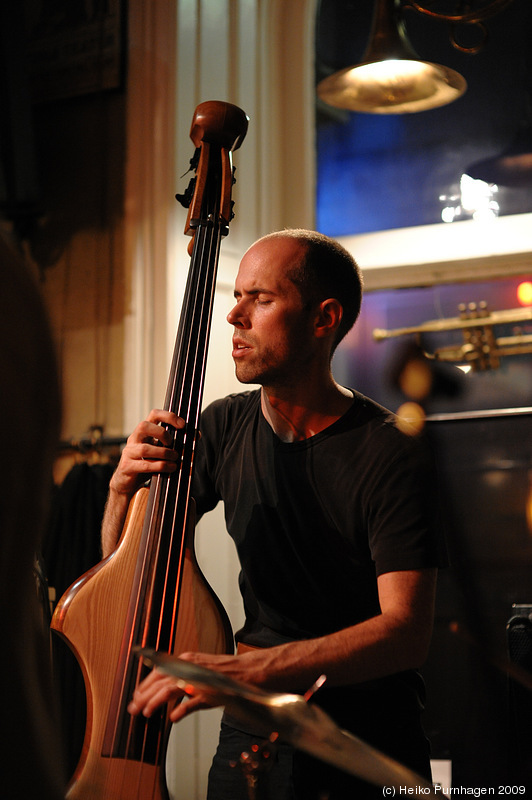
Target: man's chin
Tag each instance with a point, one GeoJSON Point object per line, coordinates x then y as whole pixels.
{"type": "Point", "coordinates": [246, 380]}
{"type": "Point", "coordinates": [247, 377]}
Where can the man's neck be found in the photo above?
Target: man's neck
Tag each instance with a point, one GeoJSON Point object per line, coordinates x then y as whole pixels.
{"type": "Point", "coordinates": [295, 415]}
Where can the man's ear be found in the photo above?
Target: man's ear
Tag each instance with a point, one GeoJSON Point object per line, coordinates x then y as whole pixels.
{"type": "Point", "coordinates": [328, 317]}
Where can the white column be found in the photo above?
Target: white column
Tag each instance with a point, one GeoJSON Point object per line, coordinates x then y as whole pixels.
{"type": "Point", "coordinates": [258, 54]}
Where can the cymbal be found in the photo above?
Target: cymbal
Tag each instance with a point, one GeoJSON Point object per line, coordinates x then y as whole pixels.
{"type": "Point", "coordinates": [302, 725]}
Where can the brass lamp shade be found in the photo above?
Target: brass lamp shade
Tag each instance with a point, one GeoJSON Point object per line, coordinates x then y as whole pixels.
{"type": "Point", "coordinates": [391, 79]}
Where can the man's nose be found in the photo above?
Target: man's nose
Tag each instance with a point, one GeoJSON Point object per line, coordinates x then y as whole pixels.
{"type": "Point", "coordinates": [237, 317]}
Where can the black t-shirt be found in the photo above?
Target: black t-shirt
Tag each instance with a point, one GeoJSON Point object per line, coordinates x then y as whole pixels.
{"type": "Point", "coordinates": [316, 521]}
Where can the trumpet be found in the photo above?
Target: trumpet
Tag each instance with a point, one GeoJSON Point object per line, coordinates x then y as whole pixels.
{"type": "Point", "coordinates": [481, 349]}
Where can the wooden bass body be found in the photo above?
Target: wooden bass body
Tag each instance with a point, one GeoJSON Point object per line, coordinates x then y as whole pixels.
{"type": "Point", "coordinates": [123, 758]}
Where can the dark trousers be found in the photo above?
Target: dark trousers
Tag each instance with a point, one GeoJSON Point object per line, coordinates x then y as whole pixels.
{"type": "Point", "coordinates": [281, 773]}
{"type": "Point", "coordinates": [233, 777]}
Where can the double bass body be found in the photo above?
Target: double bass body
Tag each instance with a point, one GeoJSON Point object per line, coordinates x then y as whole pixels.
{"type": "Point", "coordinates": [92, 616]}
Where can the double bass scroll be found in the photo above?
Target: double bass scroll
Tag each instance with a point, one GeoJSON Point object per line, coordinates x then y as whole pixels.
{"type": "Point", "coordinates": [150, 591]}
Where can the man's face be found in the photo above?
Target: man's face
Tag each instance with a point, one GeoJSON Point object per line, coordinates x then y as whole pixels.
{"type": "Point", "coordinates": [272, 330]}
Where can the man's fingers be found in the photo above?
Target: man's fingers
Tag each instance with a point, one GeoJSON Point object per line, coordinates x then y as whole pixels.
{"type": "Point", "coordinates": [158, 689]}
{"type": "Point", "coordinates": [160, 415]}
{"type": "Point", "coordinates": [153, 692]}
{"type": "Point", "coordinates": [151, 433]}
{"type": "Point", "coordinates": [153, 429]}
{"type": "Point", "coordinates": [152, 452]}
{"type": "Point", "coordinates": [188, 706]}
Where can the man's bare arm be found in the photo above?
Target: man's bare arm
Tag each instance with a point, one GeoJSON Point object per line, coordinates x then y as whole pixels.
{"type": "Point", "coordinates": [397, 639]}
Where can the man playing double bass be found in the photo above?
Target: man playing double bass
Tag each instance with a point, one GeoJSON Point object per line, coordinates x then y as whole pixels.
{"type": "Point", "coordinates": [330, 507]}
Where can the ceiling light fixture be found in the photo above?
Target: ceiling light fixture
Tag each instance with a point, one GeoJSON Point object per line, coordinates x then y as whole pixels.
{"type": "Point", "coordinates": [391, 78]}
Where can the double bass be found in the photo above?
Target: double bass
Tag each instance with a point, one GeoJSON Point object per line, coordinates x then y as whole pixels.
{"type": "Point", "coordinates": [150, 591]}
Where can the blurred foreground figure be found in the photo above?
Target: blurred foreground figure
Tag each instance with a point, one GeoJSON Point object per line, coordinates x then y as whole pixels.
{"type": "Point", "coordinates": [30, 411]}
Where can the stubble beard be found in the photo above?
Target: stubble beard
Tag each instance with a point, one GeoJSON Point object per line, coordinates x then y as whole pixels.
{"type": "Point", "coordinates": [266, 371]}
{"type": "Point", "coordinates": [272, 372]}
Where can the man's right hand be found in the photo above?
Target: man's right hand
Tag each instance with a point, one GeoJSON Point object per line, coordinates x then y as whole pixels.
{"type": "Point", "coordinates": [148, 450]}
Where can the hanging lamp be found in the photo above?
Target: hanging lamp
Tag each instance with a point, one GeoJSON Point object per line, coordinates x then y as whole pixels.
{"type": "Point", "coordinates": [391, 78]}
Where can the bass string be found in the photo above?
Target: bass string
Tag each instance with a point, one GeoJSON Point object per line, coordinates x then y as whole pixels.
{"type": "Point", "coordinates": [145, 737]}
{"type": "Point", "coordinates": [187, 404]}
{"type": "Point", "coordinates": [144, 599]}
{"type": "Point", "coordinates": [131, 670]}
{"type": "Point", "coordinates": [190, 347]}
{"type": "Point", "coordinates": [192, 354]}
{"type": "Point", "coordinates": [174, 507]}
{"type": "Point", "coordinates": [127, 729]}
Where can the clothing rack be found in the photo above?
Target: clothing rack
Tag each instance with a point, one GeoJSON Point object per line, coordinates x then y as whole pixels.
{"type": "Point", "coordinates": [91, 441]}
{"type": "Point", "coordinates": [86, 444]}
{"type": "Point", "coordinates": [92, 448]}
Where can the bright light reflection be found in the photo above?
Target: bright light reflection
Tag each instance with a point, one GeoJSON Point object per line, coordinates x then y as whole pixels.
{"type": "Point", "coordinates": [524, 293]}
{"type": "Point", "coordinates": [476, 200]}
{"type": "Point", "coordinates": [393, 69]}
{"type": "Point", "coordinates": [449, 213]}
{"type": "Point", "coordinates": [394, 81]}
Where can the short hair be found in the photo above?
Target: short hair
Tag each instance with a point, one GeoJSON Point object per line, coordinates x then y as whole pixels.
{"type": "Point", "coordinates": [326, 270]}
